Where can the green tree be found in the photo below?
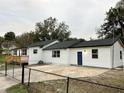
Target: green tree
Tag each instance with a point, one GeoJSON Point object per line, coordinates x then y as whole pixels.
{"type": "Point", "coordinates": [9, 36]}
{"type": "Point", "coordinates": [1, 41]}
{"type": "Point", "coordinates": [9, 42]}
{"type": "Point", "coordinates": [25, 39]}
{"type": "Point", "coordinates": [114, 22]}
{"type": "Point", "coordinates": [50, 29]}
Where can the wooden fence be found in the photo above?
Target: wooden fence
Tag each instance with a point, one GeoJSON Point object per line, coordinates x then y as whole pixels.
{"type": "Point", "coordinates": [17, 59]}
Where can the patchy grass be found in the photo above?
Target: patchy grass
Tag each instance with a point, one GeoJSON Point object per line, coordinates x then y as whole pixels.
{"type": "Point", "coordinates": [2, 59]}
{"type": "Point", "coordinates": [54, 86]}
{"type": "Point", "coordinates": [17, 89]}
{"type": "Point", "coordinates": [9, 66]}
{"type": "Point", "coordinates": [113, 78]}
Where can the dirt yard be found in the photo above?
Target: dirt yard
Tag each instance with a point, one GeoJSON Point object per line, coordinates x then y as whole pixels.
{"type": "Point", "coordinates": [71, 71]}
{"type": "Point", "coordinates": [112, 78]}
{"type": "Point", "coordinates": [45, 83]}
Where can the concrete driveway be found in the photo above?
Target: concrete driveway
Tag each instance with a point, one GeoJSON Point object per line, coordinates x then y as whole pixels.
{"type": "Point", "coordinates": [6, 82]}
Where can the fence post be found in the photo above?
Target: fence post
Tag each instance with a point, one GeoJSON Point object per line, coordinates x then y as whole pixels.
{"type": "Point", "coordinates": [67, 91]}
{"type": "Point", "coordinates": [5, 68]}
{"type": "Point", "coordinates": [29, 76]}
{"type": "Point", "coordinates": [13, 68]}
{"type": "Point", "coordinates": [23, 68]}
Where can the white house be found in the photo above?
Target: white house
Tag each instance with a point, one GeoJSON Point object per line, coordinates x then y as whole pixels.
{"type": "Point", "coordinates": [35, 52]}
{"type": "Point", "coordinates": [107, 53]}
{"type": "Point", "coordinates": [58, 53]}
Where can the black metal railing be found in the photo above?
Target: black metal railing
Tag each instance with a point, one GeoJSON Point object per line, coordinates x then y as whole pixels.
{"type": "Point", "coordinates": [13, 70]}
{"type": "Point", "coordinates": [70, 83]}
{"type": "Point", "coordinates": [39, 81]}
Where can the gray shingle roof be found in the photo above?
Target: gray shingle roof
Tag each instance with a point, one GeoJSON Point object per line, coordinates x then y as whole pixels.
{"type": "Point", "coordinates": [62, 45]}
{"type": "Point", "coordinates": [41, 43]}
{"type": "Point", "coordinates": [94, 43]}
{"type": "Point", "coordinates": [78, 44]}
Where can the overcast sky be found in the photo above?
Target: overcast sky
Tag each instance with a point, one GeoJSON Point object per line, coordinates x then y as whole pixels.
{"type": "Point", "coordinates": [82, 16]}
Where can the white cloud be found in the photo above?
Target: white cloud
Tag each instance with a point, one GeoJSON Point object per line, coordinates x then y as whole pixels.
{"type": "Point", "coordinates": [83, 16]}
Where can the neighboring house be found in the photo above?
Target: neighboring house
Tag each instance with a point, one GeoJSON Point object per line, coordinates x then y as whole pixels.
{"type": "Point", "coordinates": [19, 51]}
{"type": "Point", "coordinates": [19, 55]}
{"type": "Point", "coordinates": [7, 47]}
{"type": "Point", "coordinates": [35, 50]}
{"type": "Point", "coordinates": [107, 53]}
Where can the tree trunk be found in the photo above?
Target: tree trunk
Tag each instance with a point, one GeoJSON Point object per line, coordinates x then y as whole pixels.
{"type": "Point", "coordinates": [123, 32]}
{"type": "Point", "coordinates": [122, 28]}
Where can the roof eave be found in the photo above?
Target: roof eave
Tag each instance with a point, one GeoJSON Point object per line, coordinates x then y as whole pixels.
{"type": "Point", "coordinates": [55, 49]}
{"type": "Point", "coordinates": [92, 46]}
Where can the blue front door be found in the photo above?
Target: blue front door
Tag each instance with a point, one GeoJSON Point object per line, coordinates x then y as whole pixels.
{"type": "Point", "coordinates": [79, 58]}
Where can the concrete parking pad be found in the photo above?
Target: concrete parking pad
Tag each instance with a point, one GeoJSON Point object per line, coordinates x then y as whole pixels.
{"type": "Point", "coordinates": [6, 82]}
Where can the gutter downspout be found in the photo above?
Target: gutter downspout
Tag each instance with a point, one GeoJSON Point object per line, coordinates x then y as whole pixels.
{"type": "Point", "coordinates": [123, 60]}
{"type": "Point", "coordinates": [113, 51]}
{"type": "Point", "coordinates": [68, 50]}
{"type": "Point", "coordinates": [112, 64]}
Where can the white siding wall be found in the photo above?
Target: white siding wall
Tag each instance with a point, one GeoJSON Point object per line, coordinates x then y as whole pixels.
{"type": "Point", "coordinates": [34, 58]}
{"type": "Point", "coordinates": [104, 57]}
{"type": "Point", "coordinates": [27, 52]}
{"type": "Point", "coordinates": [117, 49]}
{"type": "Point", "coordinates": [63, 59]}
{"type": "Point", "coordinates": [69, 56]}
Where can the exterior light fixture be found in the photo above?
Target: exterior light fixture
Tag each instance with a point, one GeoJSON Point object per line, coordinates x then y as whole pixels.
{"type": "Point", "coordinates": [85, 52]}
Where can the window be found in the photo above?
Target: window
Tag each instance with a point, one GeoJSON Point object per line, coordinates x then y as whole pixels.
{"type": "Point", "coordinates": [56, 53]}
{"type": "Point", "coordinates": [24, 52]}
{"type": "Point", "coordinates": [120, 54]}
{"type": "Point", "coordinates": [35, 51]}
{"type": "Point", "coordinates": [94, 53]}
{"type": "Point", "coordinates": [15, 52]}
{"type": "Point", "coordinates": [53, 53]}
